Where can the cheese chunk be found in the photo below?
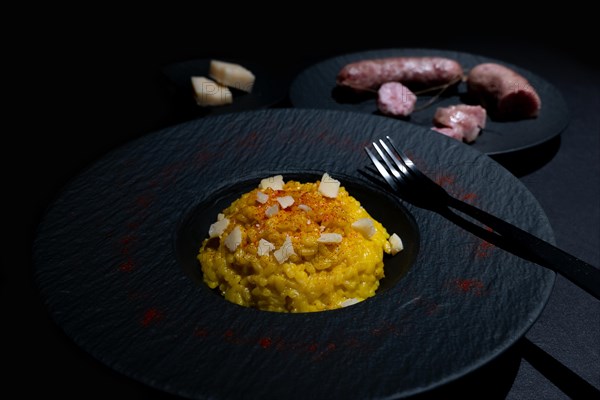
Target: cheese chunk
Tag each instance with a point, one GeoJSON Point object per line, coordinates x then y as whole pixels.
{"type": "Point", "coordinates": [396, 243]}
{"type": "Point", "coordinates": [232, 75]}
{"type": "Point", "coordinates": [273, 182]}
{"type": "Point", "coordinates": [329, 187]}
{"type": "Point", "coordinates": [272, 210]}
{"type": "Point", "coordinates": [210, 93]}
{"type": "Point", "coordinates": [217, 229]}
{"type": "Point", "coordinates": [330, 238]}
{"type": "Point", "coordinates": [234, 239]}
{"type": "Point", "coordinates": [365, 227]}
{"type": "Point", "coordinates": [285, 201]}
{"type": "Point", "coordinates": [349, 302]}
{"type": "Point", "coordinates": [264, 247]}
{"type": "Point", "coordinates": [261, 197]}
{"type": "Point", "coordinates": [304, 207]}
{"type": "Point", "coordinates": [285, 251]}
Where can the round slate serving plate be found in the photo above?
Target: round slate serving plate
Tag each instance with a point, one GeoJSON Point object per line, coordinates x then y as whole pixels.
{"type": "Point", "coordinates": [114, 262]}
{"type": "Point", "coordinates": [269, 88]}
{"type": "Point", "coordinates": [315, 87]}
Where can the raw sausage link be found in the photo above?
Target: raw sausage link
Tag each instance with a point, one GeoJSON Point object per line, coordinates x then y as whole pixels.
{"type": "Point", "coordinates": [414, 72]}
{"type": "Point", "coordinates": [505, 94]}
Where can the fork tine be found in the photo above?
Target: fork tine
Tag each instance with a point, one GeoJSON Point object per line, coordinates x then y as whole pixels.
{"type": "Point", "coordinates": [399, 163]}
{"type": "Point", "coordinates": [384, 173]}
{"type": "Point", "coordinates": [410, 165]}
{"type": "Point", "coordinates": [387, 162]}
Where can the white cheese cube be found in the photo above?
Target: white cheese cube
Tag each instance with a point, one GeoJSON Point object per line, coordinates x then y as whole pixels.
{"type": "Point", "coordinates": [210, 93]}
{"type": "Point", "coordinates": [264, 247]}
{"type": "Point", "coordinates": [286, 250]}
{"type": "Point", "coordinates": [349, 302]}
{"type": "Point", "coordinates": [270, 211]}
{"type": "Point", "coordinates": [396, 244]}
{"type": "Point", "coordinates": [304, 207]}
{"type": "Point", "coordinates": [232, 75]}
{"type": "Point", "coordinates": [273, 182]}
{"type": "Point", "coordinates": [261, 197]}
{"type": "Point", "coordinates": [365, 227]}
{"type": "Point", "coordinates": [217, 229]}
{"type": "Point", "coordinates": [285, 201]}
{"type": "Point", "coordinates": [234, 239]}
{"type": "Point", "coordinates": [330, 238]}
{"type": "Point", "coordinates": [328, 186]}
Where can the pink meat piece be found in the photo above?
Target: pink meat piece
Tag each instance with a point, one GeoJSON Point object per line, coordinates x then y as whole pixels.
{"type": "Point", "coordinates": [393, 98]}
{"type": "Point", "coordinates": [421, 72]}
{"type": "Point", "coordinates": [466, 121]}
{"type": "Point", "coordinates": [503, 92]}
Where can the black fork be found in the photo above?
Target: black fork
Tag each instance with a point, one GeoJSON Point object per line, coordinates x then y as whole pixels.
{"type": "Point", "coordinates": [407, 181]}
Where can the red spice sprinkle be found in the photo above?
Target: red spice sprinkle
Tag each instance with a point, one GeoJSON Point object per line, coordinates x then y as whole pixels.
{"type": "Point", "coordinates": [228, 333]}
{"type": "Point", "coordinates": [484, 249]}
{"type": "Point", "coordinates": [265, 342]}
{"type": "Point", "coordinates": [152, 315]}
{"type": "Point", "coordinates": [127, 239]}
{"type": "Point", "coordinates": [469, 196]}
{"type": "Point", "coordinates": [201, 332]}
{"type": "Point", "coordinates": [470, 285]}
{"type": "Point", "coordinates": [127, 266]}
{"type": "Point", "coordinates": [444, 180]}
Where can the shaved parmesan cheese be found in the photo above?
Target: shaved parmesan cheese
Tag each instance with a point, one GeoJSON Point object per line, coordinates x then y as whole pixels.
{"type": "Point", "coordinates": [264, 247]}
{"type": "Point", "coordinates": [396, 244]}
{"type": "Point", "coordinates": [270, 211]}
{"type": "Point", "coordinates": [232, 75]}
{"type": "Point", "coordinates": [285, 201]}
{"type": "Point", "coordinates": [234, 239]}
{"type": "Point", "coordinates": [329, 187]}
{"type": "Point", "coordinates": [349, 302]}
{"type": "Point", "coordinates": [304, 207]}
{"type": "Point", "coordinates": [330, 238]}
{"type": "Point", "coordinates": [210, 93]}
{"type": "Point", "coordinates": [285, 251]}
{"type": "Point", "coordinates": [220, 216]}
{"type": "Point", "coordinates": [365, 227]}
{"type": "Point", "coordinates": [273, 182]}
{"type": "Point", "coordinates": [217, 229]}
{"type": "Point", "coordinates": [261, 197]}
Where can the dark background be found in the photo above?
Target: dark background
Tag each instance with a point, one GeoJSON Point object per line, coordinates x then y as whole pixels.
{"type": "Point", "coordinates": [89, 81]}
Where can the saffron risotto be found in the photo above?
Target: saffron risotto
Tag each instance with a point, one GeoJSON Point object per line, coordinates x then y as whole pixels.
{"type": "Point", "coordinates": [296, 247]}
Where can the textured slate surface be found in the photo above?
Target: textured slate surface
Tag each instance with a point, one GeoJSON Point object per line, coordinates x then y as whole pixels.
{"type": "Point", "coordinates": [107, 264]}
{"type": "Point", "coordinates": [314, 88]}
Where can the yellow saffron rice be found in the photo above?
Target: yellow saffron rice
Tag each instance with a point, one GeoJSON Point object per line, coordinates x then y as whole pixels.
{"type": "Point", "coordinates": [273, 249]}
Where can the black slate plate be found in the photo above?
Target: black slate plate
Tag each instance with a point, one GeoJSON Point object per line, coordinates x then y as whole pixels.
{"type": "Point", "coordinates": [113, 257]}
{"type": "Point", "coordinates": [269, 88]}
{"type": "Point", "coordinates": [315, 88]}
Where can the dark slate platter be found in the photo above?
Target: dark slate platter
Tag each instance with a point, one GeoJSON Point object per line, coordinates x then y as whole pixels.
{"type": "Point", "coordinates": [114, 262]}
{"type": "Point", "coordinates": [315, 88]}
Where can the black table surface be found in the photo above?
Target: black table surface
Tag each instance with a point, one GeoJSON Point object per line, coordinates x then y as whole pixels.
{"type": "Point", "coordinates": [111, 91]}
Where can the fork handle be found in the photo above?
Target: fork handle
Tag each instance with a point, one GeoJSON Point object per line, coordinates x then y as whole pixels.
{"type": "Point", "coordinates": [582, 274]}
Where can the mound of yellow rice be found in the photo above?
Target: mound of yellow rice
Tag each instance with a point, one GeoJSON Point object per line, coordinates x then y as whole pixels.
{"type": "Point", "coordinates": [295, 247]}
